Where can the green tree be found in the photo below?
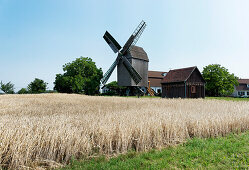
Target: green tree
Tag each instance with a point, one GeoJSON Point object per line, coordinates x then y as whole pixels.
{"type": "Point", "coordinates": [115, 89]}
{"type": "Point", "coordinates": [37, 86]}
{"type": "Point", "coordinates": [81, 76]}
{"type": "Point", "coordinates": [23, 91]}
{"type": "Point", "coordinates": [7, 88]}
{"type": "Point", "coordinates": [219, 81]}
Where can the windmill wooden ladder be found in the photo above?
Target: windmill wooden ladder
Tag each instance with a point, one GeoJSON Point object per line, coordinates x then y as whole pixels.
{"type": "Point", "coordinates": [150, 91]}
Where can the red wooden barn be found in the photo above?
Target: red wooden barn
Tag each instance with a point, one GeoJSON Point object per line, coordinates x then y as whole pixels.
{"type": "Point", "coordinates": [184, 83]}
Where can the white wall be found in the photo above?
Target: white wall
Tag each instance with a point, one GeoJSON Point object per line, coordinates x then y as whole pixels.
{"type": "Point", "coordinates": [236, 93]}
{"type": "Point", "coordinates": [156, 88]}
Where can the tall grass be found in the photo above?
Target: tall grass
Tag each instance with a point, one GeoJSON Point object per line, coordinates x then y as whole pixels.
{"type": "Point", "coordinates": [48, 129]}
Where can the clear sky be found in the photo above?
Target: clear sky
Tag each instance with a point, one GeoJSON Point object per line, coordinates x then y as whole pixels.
{"type": "Point", "coordinates": [38, 36]}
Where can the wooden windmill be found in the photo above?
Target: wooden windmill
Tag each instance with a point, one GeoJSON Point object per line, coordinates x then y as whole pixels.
{"type": "Point", "coordinates": [132, 61]}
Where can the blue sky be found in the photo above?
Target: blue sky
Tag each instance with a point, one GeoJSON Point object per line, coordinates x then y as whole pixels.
{"type": "Point", "coordinates": [38, 37]}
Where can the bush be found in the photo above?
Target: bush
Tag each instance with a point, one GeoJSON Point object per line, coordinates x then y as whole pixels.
{"type": "Point", "coordinates": [7, 88]}
{"type": "Point", "coordinates": [23, 91]}
{"type": "Point", "coordinates": [37, 86]}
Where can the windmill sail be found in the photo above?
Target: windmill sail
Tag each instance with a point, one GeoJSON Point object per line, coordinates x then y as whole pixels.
{"type": "Point", "coordinates": [111, 42]}
{"type": "Point", "coordinates": [127, 44]}
{"type": "Point", "coordinates": [137, 33]}
{"type": "Point", "coordinates": [133, 73]}
{"type": "Point", "coordinates": [109, 71]}
{"type": "Point", "coordinates": [122, 54]}
{"type": "Point", "coordinates": [134, 37]}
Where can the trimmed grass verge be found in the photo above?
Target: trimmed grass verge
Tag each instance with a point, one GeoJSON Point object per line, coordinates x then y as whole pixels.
{"type": "Point", "coordinates": [229, 98]}
{"type": "Point", "coordinates": [209, 98]}
{"type": "Point", "coordinates": [231, 152]}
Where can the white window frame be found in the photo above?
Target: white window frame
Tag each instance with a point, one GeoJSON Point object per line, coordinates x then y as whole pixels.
{"type": "Point", "coordinates": [240, 93]}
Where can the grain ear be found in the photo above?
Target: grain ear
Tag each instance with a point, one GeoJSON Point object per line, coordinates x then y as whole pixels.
{"type": "Point", "coordinates": [47, 130]}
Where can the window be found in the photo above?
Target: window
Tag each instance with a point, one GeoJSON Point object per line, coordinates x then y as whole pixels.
{"type": "Point", "coordinates": [164, 74]}
{"type": "Point", "coordinates": [248, 86]}
{"type": "Point", "coordinates": [241, 93]}
{"type": "Point", "coordinates": [193, 89]}
{"type": "Point", "coordinates": [248, 93]}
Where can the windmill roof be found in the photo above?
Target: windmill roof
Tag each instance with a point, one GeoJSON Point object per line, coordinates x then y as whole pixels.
{"type": "Point", "coordinates": [139, 53]}
{"type": "Point", "coordinates": [178, 75]}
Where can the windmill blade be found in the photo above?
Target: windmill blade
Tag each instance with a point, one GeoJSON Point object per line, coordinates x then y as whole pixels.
{"type": "Point", "coordinates": [127, 45]}
{"type": "Point", "coordinates": [138, 32]}
{"type": "Point", "coordinates": [134, 74]}
{"type": "Point", "coordinates": [111, 42]}
{"type": "Point", "coordinates": [134, 37]}
{"type": "Point", "coordinates": [109, 71]}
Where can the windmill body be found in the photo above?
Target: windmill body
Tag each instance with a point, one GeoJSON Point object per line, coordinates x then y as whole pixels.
{"type": "Point", "coordinates": [139, 60]}
{"type": "Point", "coordinates": [132, 61]}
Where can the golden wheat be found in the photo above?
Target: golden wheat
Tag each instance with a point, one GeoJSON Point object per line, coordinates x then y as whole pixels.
{"type": "Point", "coordinates": [47, 129]}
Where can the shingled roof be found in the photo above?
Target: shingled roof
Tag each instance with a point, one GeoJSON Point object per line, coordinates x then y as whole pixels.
{"type": "Point", "coordinates": [178, 75]}
{"type": "Point", "coordinates": [242, 84]}
{"type": "Point", "coordinates": [241, 87]}
{"type": "Point", "coordinates": [243, 81]}
{"type": "Point", "coordinates": [155, 78]}
{"type": "Point", "coordinates": [139, 53]}
{"type": "Point", "coordinates": [156, 74]}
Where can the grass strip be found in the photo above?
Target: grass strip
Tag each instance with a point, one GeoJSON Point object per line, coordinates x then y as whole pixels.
{"type": "Point", "coordinates": [229, 98]}
{"type": "Point", "coordinates": [230, 152]}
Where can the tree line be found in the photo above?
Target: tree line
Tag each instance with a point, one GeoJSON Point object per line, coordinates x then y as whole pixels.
{"type": "Point", "coordinates": [80, 76]}
{"type": "Point", "coordinates": [83, 77]}
{"type": "Point", "coordinates": [36, 86]}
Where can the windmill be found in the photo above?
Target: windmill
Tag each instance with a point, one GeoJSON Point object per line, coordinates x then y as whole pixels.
{"type": "Point", "coordinates": [132, 61]}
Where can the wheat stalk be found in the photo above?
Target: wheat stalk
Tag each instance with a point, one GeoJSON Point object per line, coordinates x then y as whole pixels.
{"type": "Point", "coordinates": [47, 130]}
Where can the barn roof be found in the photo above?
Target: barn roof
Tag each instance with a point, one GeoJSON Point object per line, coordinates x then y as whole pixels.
{"type": "Point", "coordinates": [155, 78]}
{"type": "Point", "coordinates": [139, 53]}
{"type": "Point", "coordinates": [178, 75]}
{"type": "Point", "coordinates": [243, 81]}
{"type": "Point", "coordinates": [156, 74]}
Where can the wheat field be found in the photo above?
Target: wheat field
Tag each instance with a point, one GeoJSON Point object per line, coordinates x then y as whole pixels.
{"type": "Point", "coordinates": [46, 130]}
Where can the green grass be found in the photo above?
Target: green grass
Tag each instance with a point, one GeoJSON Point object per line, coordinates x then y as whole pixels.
{"type": "Point", "coordinates": [135, 96]}
{"type": "Point", "coordinates": [143, 96]}
{"type": "Point", "coordinates": [229, 98]}
{"type": "Point", "coordinates": [231, 152]}
{"type": "Point", "coordinates": [218, 98]}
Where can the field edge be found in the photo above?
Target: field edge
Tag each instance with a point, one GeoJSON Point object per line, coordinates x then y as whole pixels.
{"type": "Point", "coordinates": [231, 151]}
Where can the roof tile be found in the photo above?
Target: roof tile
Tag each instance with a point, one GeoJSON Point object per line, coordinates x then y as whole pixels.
{"type": "Point", "coordinates": [243, 81]}
{"type": "Point", "coordinates": [156, 74]}
{"type": "Point", "coordinates": [178, 75]}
